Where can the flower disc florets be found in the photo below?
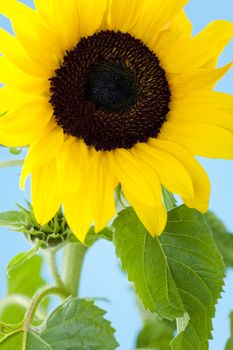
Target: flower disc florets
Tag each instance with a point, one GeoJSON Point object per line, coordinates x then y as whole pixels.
{"type": "Point", "coordinates": [110, 91]}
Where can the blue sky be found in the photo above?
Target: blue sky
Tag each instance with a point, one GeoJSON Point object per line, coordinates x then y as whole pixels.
{"type": "Point", "coordinates": [101, 274]}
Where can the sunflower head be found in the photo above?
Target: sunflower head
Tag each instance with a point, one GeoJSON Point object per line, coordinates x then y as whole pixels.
{"type": "Point", "coordinates": [112, 92]}
{"type": "Point", "coordinates": [110, 81]}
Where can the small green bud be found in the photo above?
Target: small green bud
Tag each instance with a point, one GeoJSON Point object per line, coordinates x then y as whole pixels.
{"type": "Point", "coordinates": [54, 233]}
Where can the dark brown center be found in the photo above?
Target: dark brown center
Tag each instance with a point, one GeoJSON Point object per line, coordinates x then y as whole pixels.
{"type": "Point", "coordinates": [110, 91]}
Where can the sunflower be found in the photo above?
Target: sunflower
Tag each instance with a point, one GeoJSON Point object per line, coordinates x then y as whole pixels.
{"type": "Point", "coordinates": [107, 92]}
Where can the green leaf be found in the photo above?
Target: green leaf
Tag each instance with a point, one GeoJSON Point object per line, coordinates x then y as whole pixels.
{"type": "Point", "coordinates": [229, 344]}
{"type": "Point", "coordinates": [12, 308]}
{"type": "Point", "coordinates": [78, 324]}
{"type": "Point", "coordinates": [13, 341]}
{"type": "Point", "coordinates": [169, 199]}
{"type": "Point", "coordinates": [26, 279]}
{"type": "Point", "coordinates": [12, 219]}
{"type": "Point", "coordinates": [146, 264]}
{"type": "Point", "coordinates": [23, 282]}
{"type": "Point", "coordinates": [6, 329]}
{"type": "Point", "coordinates": [21, 258]}
{"type": "Point", "coordinates": [223, 238]}
{"type": "Point", "coordinates": [92, 236]}
{"type": "Point", "coordinates": [121, 200]}
{"type": "Point", "coordinates": [156, 334]}
{"type": "Point", "coordinates": [182, 271]}
{"type": "Point", "coordinates": [34, 342]}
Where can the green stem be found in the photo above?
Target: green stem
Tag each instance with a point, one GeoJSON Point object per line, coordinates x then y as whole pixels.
{"type": "Point", "coordinates": [10, 163]}
{"type": "Point", "coordinates": [36, 300]}
{"type": "Point", "coordinates": [72, 265]}
{"type": "Point", "coordinates": [21, 300]}
{"type": "Point", "coordinates": [51, 258]}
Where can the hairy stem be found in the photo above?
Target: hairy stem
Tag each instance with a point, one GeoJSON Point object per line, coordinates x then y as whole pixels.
{"type": "Point", "coordinates": [32, 308]}
{"type": "Point", "coordinates": [51, 258]}
{"type": "Point", "coordinates": [72, 265]}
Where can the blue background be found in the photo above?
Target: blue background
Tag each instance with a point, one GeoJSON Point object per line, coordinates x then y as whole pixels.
{"type": "Point", "coordinates": [101, 274]}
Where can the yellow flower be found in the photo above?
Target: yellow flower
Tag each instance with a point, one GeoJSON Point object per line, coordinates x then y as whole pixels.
{"type": "Point", "coordinates": [107, 92]}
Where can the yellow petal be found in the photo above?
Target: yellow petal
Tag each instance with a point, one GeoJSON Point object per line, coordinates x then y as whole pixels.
{"type": "Point", "coordinates": [91, 185]}
{"type": "Point", "coordinates": [78, 212]}
{"type": "Point", "coordinates": [11, 99]}
{"type": "Point", "coordinates": [181, 26]}
{"type": "Point", "coordinates": [16, 9]}
{"type": "Point", "coordinates": [199, 51]}
{"type": "Point", "coordinates": [156, 17]}
{"type": "Point", "coordinates": [92, 14]}
{"type": "Point", "coordinates": [197, 79]}
{"type": "Point", "coordinates": [34, 36]}
{"type": "Point", "coordinates": [73, 164]}
{"type": "Point", "coordinates": [43, 151]}
{"type": "Point", "coordinates": [26, 125]}
{"type": "Point", "coordinates": [207, 107]}
{"type": "Point", "coordinates": [124, 14]}
{"type": "Point", "coordinates": [24, 139]}
{"type": "Point", "coordinates": [45, 190]}
{"type": "Point", "coordinates": [32, 116]}
{"type": "Point", "coordinates": [46, 11]}
{"type": "Point", "coordinates": [65, 16]}
{"type": "Point", "coordinates": [44, 7]}
{"type": "Point", "coordinates": [219, 101]}
{"type": "Point", "coordinates": [198, 197]}
{"type": "Point", "coordinates": [13, 77]}
{"type": "Point", "coordinates": [173, 174]}
{"type": "Point", "coordinates": [203, 116]}
{"type": "Point", "coordinates": [13, 50]}
{"type": "Point", "coordinates": [102, 185]}
{"type": "Point", "coordinates": [154, 218]}
{"type": "Point", "coordinates": [201, 139]}
{"type": "Point", "coordinates": [135, 175]}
